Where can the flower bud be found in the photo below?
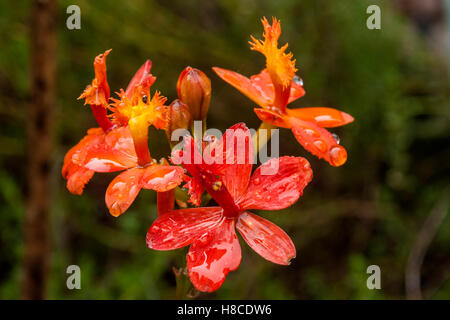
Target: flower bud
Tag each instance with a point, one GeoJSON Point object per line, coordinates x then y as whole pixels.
{"type": "Point", "coordinates": [194, 89]}
{"type": "Point", "coordinates": [178, 116]}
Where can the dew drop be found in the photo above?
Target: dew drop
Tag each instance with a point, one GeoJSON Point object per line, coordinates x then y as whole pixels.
{"type": "Point", "coordinates": [336, 137]}
{"type": "Point", "coordinates": [312, 133]}
{"type": "Point", "coordinates": [298, 80]}
{"type": "Point", "coordinates": [338, 156]}
{"type": "Point", "coordinates": [257, 181]}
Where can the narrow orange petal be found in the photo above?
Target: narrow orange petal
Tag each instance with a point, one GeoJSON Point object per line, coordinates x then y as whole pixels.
{"type": "Point", "coordinates": [244, 85]}
{"type": "Point", "coordinates": [318, 141]}
{"type": "Point", "coordinates": [323, 117]}
{"type": "Point", "coordinates": [123, 190]}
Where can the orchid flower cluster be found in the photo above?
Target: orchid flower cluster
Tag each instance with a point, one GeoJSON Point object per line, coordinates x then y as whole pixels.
{"type": "Point", "coordinates": [120, 143]}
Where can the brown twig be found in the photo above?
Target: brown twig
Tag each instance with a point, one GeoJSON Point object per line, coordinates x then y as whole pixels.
{"type": "Point", "coordinates": [420, 247]}
{"type": "Point", "coordinates": [37, 218]}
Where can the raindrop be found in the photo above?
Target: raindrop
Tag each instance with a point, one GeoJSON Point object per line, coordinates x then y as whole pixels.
{"type": "Point", "coordinates": [256, 181]}
{"type": "Point", "coordinates": [336, 137]}
{"type": "Point", "coordinates": [298, 80]}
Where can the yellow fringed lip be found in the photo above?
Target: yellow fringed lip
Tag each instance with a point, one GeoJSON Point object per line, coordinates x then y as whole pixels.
{"type": "Point", "coordinates": [280, 64]}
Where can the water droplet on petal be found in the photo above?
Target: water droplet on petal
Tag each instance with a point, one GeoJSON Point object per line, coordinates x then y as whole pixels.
{"type": "Point", "coordinates": [338, 156]}
{"type": "Point", "coordinates": [336, 137]}
{"type": "Point", "coordinates": [321, 145]}
{"type": "Point", "coordinates": [298, 80]}
{"type": "Point", "coordinates": [257, 181]}
{"type": "Point", "coordinates": [312, 133]}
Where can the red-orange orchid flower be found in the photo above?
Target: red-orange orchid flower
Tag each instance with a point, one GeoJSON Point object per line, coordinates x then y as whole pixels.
{"type": "Point", "coordinates": [134, 111]}
{"type": "Point", "coordinates": [214, 247]}
{"type": "Point", "coordinates": [97, 96]}
{"type": "Point", "coordinates": [276, 86]}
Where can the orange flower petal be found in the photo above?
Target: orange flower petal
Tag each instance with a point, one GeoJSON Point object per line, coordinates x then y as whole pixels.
{"type": "Point", "coordinates": [318, 141]}
{"type": "Point", "coordinates": [323, 117]}
{"type": "Point", "coordinates": [77, 177]}
{"type": "Point", "coordinates": [273, 118]}
{"type": "Point", "coordinates": [244, 85]}
{"type": "Point", "coordinates": [116, 153]}
{"type": "Point", "coordinates": [161, 178]}
{"type": "Point", "coordinates": [97, 93]}
{"type": "Point", "coordinates": [123, 190]}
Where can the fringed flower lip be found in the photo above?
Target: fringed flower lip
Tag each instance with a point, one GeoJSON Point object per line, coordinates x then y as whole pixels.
{"type": "Point", "coordinates": [276, 86]}
{"type": "Point", "coordinates": [210, 231]}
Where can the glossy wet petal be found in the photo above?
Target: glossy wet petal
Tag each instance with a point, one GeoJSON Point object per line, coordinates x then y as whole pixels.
{"type": "Point", "coordinates": [237, 149]}
{"type": "Point", "coordinates": [123, 190]}
{"type": "Point", "coordinates": [178, 228]}
{"type": "Point", "coordinates": [274, 118]}
{"type": "Point", "coordinates": [268, 240]}
{"type": "Point", "coordinates": [115, 154]}
{"type": "Point", "coordinates": [297, 91]}
{"type": "Point", "coordinates": [323, 117]}
{"type": "Point", "coordinates": [277, 184]}
{"type": "Point", "coordinates": [161, 178]}
{"type": "Point", "coordinates": [77, 177]}
{"type": "Point", "coordinates": [212, 256]}
{"type": "Point", "coordinates": [319, 142]}
{"type": "Point", "coordinates": [263, 83]}
{"type": "Point", "coordinates": [244, 85]}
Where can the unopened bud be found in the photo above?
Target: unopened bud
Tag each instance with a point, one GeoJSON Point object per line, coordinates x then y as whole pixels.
{"type": "Point", "coordinates": [194, 89]}
{"type": "Point", "coordinates": [178, 116]}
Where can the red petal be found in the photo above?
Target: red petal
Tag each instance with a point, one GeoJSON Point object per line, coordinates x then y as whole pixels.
{"type": "Point", "coordinates": [165, 201]}
{"type": "Point", "coordinates": [319, 142]}
{"type": "Point", "coordinates": [211, 257]}
{"type": "Point", "coordinates": [178, 228]}
{"type": "Point", "coordinates": [115, 154]}
{"type": "Point", "coordinates": [123, 190]}
{"type": "Point", "coordinates": [138, 78]}
{"type": "Point", "coordinates": [323, 117]}
{"type": "Point", "coordinates": [161, 178]}
{"type": "Point", "coordinates": [277, 184]}
{"type": "Point", "coordinates": [268, 240]}
{"type": "Point", "coordinates": [271, 117]}
{"type": "Point", "coordinates": [237, 148]}
{"type": "Point", "coordinates": [244, 85]}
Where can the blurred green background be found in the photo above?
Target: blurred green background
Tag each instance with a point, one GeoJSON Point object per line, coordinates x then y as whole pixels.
{"type": "Point", "coordinates": [369, 211]}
